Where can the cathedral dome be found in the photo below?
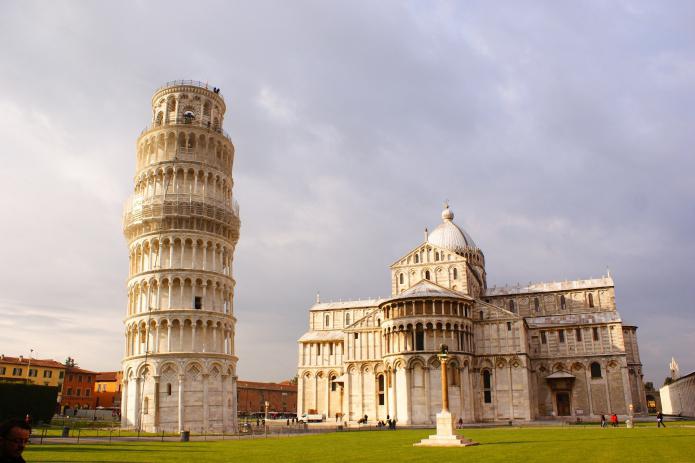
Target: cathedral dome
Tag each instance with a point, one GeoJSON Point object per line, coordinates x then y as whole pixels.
{"type": "Point", "coordinates": [450, 236]}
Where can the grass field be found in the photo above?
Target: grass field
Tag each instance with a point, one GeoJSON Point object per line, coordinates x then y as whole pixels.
{"type": "Point", "coordinates": [567, 444]}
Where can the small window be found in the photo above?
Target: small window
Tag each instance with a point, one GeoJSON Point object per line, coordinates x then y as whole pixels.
{"type": "Point", "coordinates": [47, 374]}
{"type": "Point", "coordinates": [536, 304]}
{"type": "Point", "coordinates": [198, 302]}
{"type": "Point", "coordinates": [16, 372]}
{"type": "Point", "coordinates": [400, 278]}
{"type": "Point", "coordinates": [380, 391]}
{"type": "Point", "coordinates": [578, 334]}
{"type": "Point", "coordinates": [544, 339]}
{"type": "Point", "coordinates": [561, 335]}
{"type": "Point", "coordinates": [318, 349]}
{"type": "Point", "coordinates": [456, 274]}
{"type": "Point", "coordinates": [79, 379]}
{"type": "Point", "coordinates": [436, 255]}
{"type": "Point", "coordinates": [69, 391]}
{"type": "Point", "coordinates": [427, 274]}
{"type": "Point", "coordinates": [512, 307]}
{"type": "Point", "coordinates": [333, 384]}
{"type": "Point", "coordinates": [347, 319]}
{"type": "Point", "coordinates": [487, 387]}
{"type": "Point", "coordinates": [591, 300]}
{"type": "Point", "coordinates": [595, 331]}
{"type": "Point", "coordinates": [417, 258]}
{"type": "Point", "coordinates": [87, 392]}
{"type": "Point", "coordinates": [595, 370]}
{"type": "Point", "coordinates": [61, 375]}
{"type": "Point", "coordinates": [78, 392]}
{"type": "Point", "coordinates": [33, 372]}
{"type": "Point", "coordinates": [482, 315]}
{"type": "Point", "coordinates": [563, 303]}
{"type": "Point", "coordinates": [357, 335]}
{"type": "Point", "coordinates": [327, 321]}
{"type": "Point", "coordinates": [419, 339]}
{"type": "Point", "coordinates": [168, 388]}
{"type": "Point", "coordinates": [509, 326]}
{"type": "Point", "coordinates": [330, 348]}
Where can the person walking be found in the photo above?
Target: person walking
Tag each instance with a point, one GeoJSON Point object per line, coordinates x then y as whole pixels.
{"type": "Point", "coordinates": [660, 420]}
{"type": "Point", "coordinates": [603, 421]}
{"type": "Point", "coordinates": [614, 420]}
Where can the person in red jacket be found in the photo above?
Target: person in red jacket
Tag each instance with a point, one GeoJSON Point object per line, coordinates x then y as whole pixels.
{"type": "Point", "coordinates": [614, 420]}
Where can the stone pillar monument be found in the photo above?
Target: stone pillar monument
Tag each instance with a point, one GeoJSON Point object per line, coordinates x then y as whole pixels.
{"type": "Point", "coordinates": [446, 435]}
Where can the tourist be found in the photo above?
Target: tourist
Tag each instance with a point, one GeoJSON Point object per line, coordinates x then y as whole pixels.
{"type": "Point", "coordinates": [14, 436]}
{"type": "Point", "coordinates": [459, 424]}
{"type": "Point", "coordinates": [603, 421]}
{"type": "Point", "coordinates": [660, 420]}
{"type": "Point", "coordinates": [614, 420]}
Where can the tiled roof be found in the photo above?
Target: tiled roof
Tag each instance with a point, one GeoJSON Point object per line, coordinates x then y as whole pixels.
{"type": "Point", "coordinates": [425, 288]}
{"type": "Point", "coordinates": [107, 376]}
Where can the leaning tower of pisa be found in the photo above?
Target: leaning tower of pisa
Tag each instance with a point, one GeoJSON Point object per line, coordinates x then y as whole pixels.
{"type": "Point", "coordinates": [182, 225]}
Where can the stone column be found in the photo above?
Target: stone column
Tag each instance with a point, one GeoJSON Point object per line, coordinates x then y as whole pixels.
{"type": "Point", "coordinates": [124, 404]}
{"type": "Point", "coordinates": [181, 403]}
{"type": "Point", "coordinates": [206, 376]}
{"type": "Point", "coordinates": [428, 400]}
{"type": "Point", "coordinates": [395, 394]}
{"type": "Point", "coordinates": [155, 404]}
{"type": "Point", "coordinates": [168, 335]}
{"type": "Point", "coordinates": [223, 390]}
{"type": "Point", "coordinates": [136, 415]}
{"type": "Point", "coordinates": [445, 385]}
{"type": "Point", "coordinates": [300, 393]}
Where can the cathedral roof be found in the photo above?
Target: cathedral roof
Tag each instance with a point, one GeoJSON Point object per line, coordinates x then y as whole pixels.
{"type": "Point", "coordinates": [425, 288]}
{"type": "Point", "coordinates": [450, 236]}
{"type": "Point", "coordinates": [327, 335]}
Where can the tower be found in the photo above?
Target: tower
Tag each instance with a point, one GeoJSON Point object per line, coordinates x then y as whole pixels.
{"type": "Point", "coordinates": [182, 225]}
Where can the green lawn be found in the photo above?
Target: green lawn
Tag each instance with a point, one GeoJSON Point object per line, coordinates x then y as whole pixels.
{"type": "Point", "coordinates": [568, 444]}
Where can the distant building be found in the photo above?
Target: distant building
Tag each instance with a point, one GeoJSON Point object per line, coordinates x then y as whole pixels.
{"type": "Point", "coordinates": [78, 389]}
{"type": "Point", "coordinates": [251, 397]}
{"type": "Point", "coordinates": [653, 398]}
{"type": "Point", "coordinates": [31, 371]}
{"type": "Point", "coordinates": [678, 398]}
{"type": "Point", "coordinates": [107, 389]}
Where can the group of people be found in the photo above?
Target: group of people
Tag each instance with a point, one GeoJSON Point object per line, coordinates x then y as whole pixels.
{"type": "Point", "coordinates": [391, 423]}
{"type": "Point", "coordinates": [614, 421]}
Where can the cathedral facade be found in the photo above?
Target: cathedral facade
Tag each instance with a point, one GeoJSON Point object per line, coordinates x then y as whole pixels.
{"type": "Point", "coordinates": [544, 351]}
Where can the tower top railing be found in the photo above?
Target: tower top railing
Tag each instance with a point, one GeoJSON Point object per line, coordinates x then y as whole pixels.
{"type": "Point", "coordinates": [194, 83]}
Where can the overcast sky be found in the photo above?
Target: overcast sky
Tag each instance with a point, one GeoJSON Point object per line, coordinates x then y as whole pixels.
{"type": "Point", "coordinates": [561, 132]}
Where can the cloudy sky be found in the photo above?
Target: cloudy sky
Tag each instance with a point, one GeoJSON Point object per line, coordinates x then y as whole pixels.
{"type": "Point", "coordinates": [561, 132]}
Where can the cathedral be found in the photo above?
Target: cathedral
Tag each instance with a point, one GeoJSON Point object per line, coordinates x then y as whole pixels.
{"type": "Point", "coordinates": [556, 350]}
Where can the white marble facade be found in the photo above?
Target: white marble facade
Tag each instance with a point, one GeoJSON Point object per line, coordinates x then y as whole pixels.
{"type": "Point", "coordinates": [542, 351]}
{"type": "Point", "coordinates": [182, 225]}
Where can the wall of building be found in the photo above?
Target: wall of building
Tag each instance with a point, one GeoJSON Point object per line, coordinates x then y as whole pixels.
{"type": "Point", "coordinates": [678, 398]}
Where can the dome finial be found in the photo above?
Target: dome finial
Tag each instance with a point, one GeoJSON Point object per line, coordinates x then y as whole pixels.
{"type": "Point", "coordinates": [447, 214]}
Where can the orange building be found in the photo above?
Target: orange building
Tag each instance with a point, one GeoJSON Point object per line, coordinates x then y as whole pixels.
{"type": "Point", "coordinates": [251, 397]}
{"type": "Point", "coordinates": [78, 389]}
{"type": "Point", "coordinates": [107, 389]}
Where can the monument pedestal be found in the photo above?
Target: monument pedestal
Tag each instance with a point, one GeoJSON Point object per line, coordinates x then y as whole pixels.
{"type": "Point", "coordinates": [446, 435]}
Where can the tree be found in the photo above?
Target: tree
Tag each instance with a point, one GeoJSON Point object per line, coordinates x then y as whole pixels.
{"type": "Point", "coordinates": [668, 381]}
{"type": "Point", "coordinates": [69, 362]}
{"type": "Point", "coordinates": [294, 380]}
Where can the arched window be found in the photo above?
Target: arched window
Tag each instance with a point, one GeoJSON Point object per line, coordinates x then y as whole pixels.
{"type": "Point", "coordinates": [456, 274]}
{"type": "Point", "coordinates": [536, 304]}
{"type": "Point", "coordinates": [436, 255]}
{"type": "Point", "coordinates": [333, 383]}
{"type": "Point", "coordinates": [591, 300]}
{"type": "Point", "coordinates": [487, 387]}
{"type": "Point", "coordinates": [160, 118]}
{"type": "Point", "coordinates": [400, 278]}
{"type": "Point", "coordinates": [206, 109]}
{"type": "Point", "coordinates": [417, 258]}
{"type": "Point", "coordinates": [168, 388]}
{"type": "Point", "coordinates": [512, 308]}
{"type": "Point", "coordinates": [427, 274]}
{"type": "Point", "coordinates": [595, 370]}
{"type": "Point", "coordinates": [481, 315]}
{"type": "Point", "coordinates": [563, 303]}
{"type": "Point", "coordinates": [419, 338]}
{"type": "Point", "coordinates": [328, 319]}
{"type": "Point", "coordinates": [380, 391]}
{"type": "Point", "coordinates": [347, 319]}
{"type": "Point", "coordinates": [453, 372]}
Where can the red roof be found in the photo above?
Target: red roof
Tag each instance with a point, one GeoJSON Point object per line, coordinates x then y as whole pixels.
{"type": "Point", "coordinates": [46, 363]}
{"type": "Point", "coordinates": [267, 386]}
{"type": "Point", "coordinates": [107, 376]}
